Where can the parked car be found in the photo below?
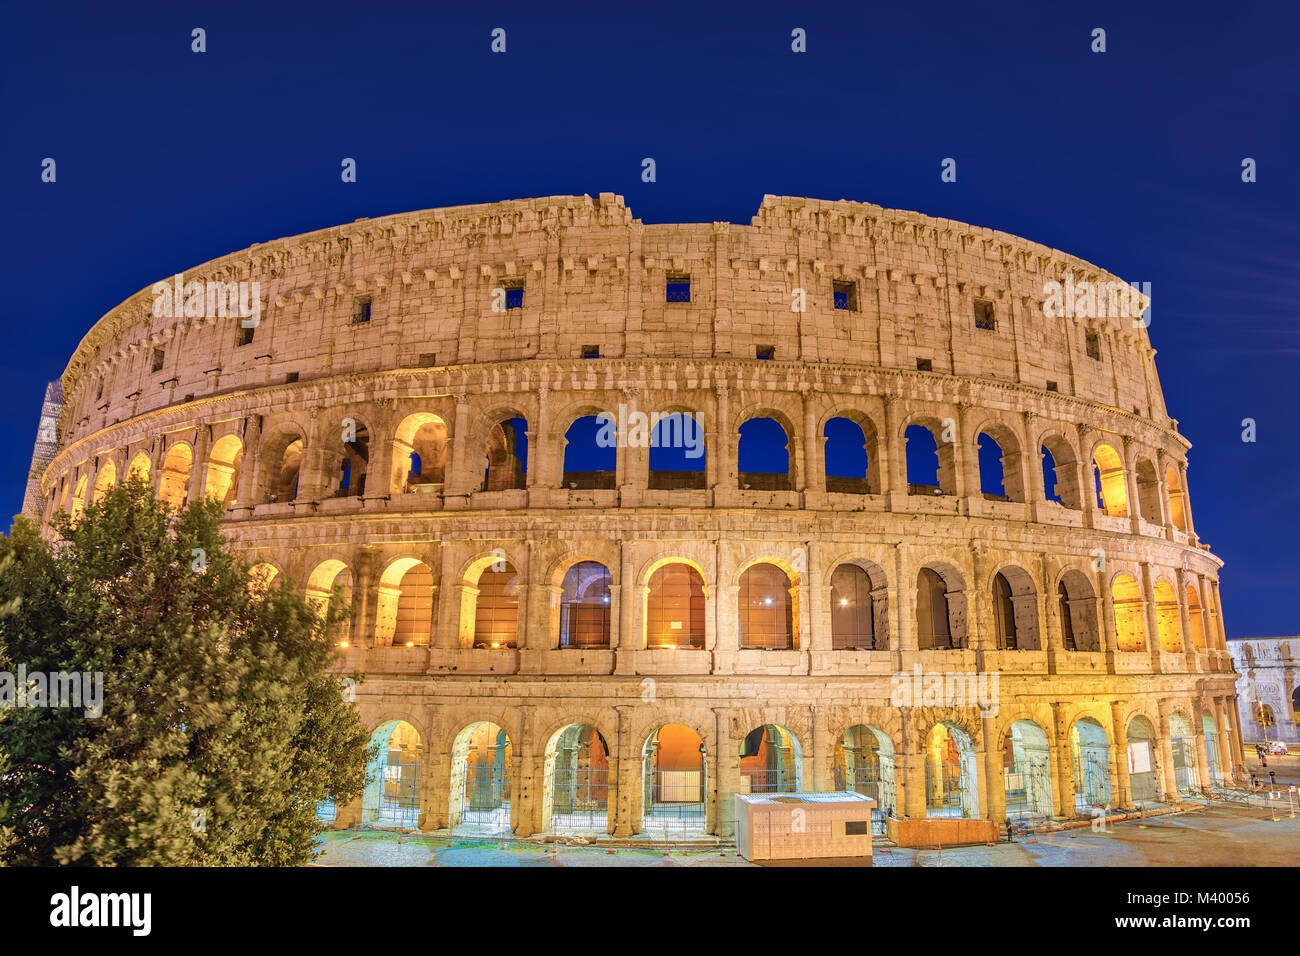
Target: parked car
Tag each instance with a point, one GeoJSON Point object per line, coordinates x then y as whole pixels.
{"type": "Point", "coordinates": [1277, 747]}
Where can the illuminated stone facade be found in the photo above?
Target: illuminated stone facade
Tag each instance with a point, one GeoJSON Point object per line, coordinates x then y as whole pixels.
{"type": "Point", "coordinates": [421, 349]}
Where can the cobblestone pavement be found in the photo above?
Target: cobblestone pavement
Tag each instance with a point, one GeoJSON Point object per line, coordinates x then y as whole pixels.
{"type": "Point", "coordinates": [1222, 835]}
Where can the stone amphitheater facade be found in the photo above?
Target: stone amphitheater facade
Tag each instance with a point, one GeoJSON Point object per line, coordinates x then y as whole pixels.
{"type": "Point", "coordinates": [1108, 615]}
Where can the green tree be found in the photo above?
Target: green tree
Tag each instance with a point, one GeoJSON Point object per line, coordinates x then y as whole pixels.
{"type": "Point", "coordinates": [222, 725]}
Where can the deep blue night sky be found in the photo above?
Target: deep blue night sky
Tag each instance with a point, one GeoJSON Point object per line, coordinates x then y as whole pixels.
{"type": "Point", "coordinates": [1130, 159]}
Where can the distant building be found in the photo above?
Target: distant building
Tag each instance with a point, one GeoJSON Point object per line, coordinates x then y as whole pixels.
{"type": "Point", "coordinates": [1268, 690]}
{"type": "Point", "coordinates": [46, 447]}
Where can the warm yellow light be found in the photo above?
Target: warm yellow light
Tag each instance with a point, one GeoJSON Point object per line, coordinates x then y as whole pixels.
{"type": "Point", "coordinates": [496, 645]}
{"type": "Point", "coordinates": [844, 602]}
{"type": "Point", "coordinates": [343, 643]}
{"type": "Point", "coordinates": [410, 643]}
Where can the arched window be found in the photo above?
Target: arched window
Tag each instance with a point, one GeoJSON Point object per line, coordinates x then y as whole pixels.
{"type": "Point", "coordinates": [1108, 476]}
{"type": "Point", "coordinates": [584, 606]}
{"type": "Point", "coordinates": [992, 485]}
{"type": "Point", "coordinates": [1130, 628]}
{"type": "Point", "coordinates": [852, 613]}
{"type": "Point", "coordinates": [763, 459]}
{"type": "Point", "coordinates": [414, 607]}
{"type": "Point", "coordinates": [1004, 613]}
{"type": "Point", "coordinates": [354, 456]}
{"type": "Point", "coordinates": [1195, 619]}
{"type": "Point", "coordinates": [1168, 623]}
{"type": "Point", "coordinates": [419, 454]}
{"type": "Point", "coordinates": [104, 481]}
{"type": "Point", "coordinates": [282, 463]}
{"type": "Point", "coordinates": [507, 456]}
{"type": "Point", "coordinates": [848, 458]}
{"type": "Point", "coordinates": [1148, 492]}
{"type": "Point", "coordinates": [677, 458]}
{"type": "Point", "coordinates": [590, 453]}
{"type": "Point", "coordinates": [922, 461]}
{"type": "Point", "coordinates": [225, 464]}
{"type": "Point", "coordinates": [933, 628]}
{"type": "Point", "coordinates": [675, 608]}
{"type": "Point", "coordinates": [1263, 715]}
{"type": "Point", "coordinates": [766, 621]}
{"type": "Point", "coordinates": [496, 610]}
{"type": "Point", "coordinates": [174, 485]}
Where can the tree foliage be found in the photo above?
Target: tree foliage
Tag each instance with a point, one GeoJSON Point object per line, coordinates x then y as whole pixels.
{"type": "Point", "coordinates": [222, 724]}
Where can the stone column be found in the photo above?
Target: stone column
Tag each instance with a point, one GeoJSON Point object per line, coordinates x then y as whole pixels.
{"type": "Point", "coordinates": [1064, 758]}
{"type": "Point", "coordinates": [199, 464]}
{"type": "Point", "coordinates": [1087, 480]}
{"type": "Point", "coordinates": [1202, 755]}
{"type": "Point", "coordinates": [995, 787]}
{"type": "Point", "coordinates": [1187, 504]}
{"type": "Point", "coordinates": [252, 466]}
{"type": "Point", "coordinates": [1131, 483]}
{"type": "Point", "coordinates": [459, 474]}
{"type": "Point", "coordinates": [1149, 616]}
{"type": "Point", "coordinates": [721, 449]}
{"type": "Point", "coordinates": [1123, 791]}
{"type": "Point", "coordinates": [1032, 463]}
{"type": "Point", "coordinates": [912, 772]}
{"type": "Point", "coordinates": [1234, 721]}
{"type": "Point", "coordinates": [628, 640]}
{"type": "Point", "coordinates": [1185, 621]}
{"type": "Point", "coordinates": [1168, 782]}
{"type": "Point", "coordinates": [813, 478]}
{"type": "Point", "coordinates": [542, 446]}
{"type": "Point", "coordinates": [892, 448]}
{"type": "Point", "coordinates": [727, 778]}
{"type": "Point", "coordinates": [627, 802]}
{"type": "Point", "coordinates": [966, 461]}
{"type": "Point", "coordinates": [522, 810]}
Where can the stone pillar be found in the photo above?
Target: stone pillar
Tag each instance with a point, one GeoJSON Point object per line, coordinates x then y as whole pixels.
{"type": "Point", "coordinates": [1064, 758]}
{"type": "Point", "coordinates": [892, 447]}
{"type": "Point", "coordinates": [1032, 463]}
{"type": "Point", "coordinates": [522, 810]}
{"type": "Point", "coordinates": [966, 461]}
{"type": "Point", "coordinates": [1122, 793]}
{"type": "Point", "coordinates": [813, 478]}
{"type": "Point", "coordinates": [252, 466]}
{"type": "Point", "coordinates": [1219, 629]}
{"type": "Point", "coordinates": [460, 475]}
{"type": "Point", "coordinates": [1168, 783]}
{"type": "Point", "coordinates": [721, 450]}
{"type": "Point", "coordinates": [995, 786]}
{"type": "Point", "coordinates": [628, 640]}
{"type": "Point", "coordinates": [542, 446]}
{"type": "Point", "coordinates": [1202, 755]}
{"type": "Point", "coordinates": [1057, 764]}
{"type": "Point", "coordinates": [1131, 489]}
{"type": "Point", "coordinates": [1149, 616]}
{"type": "Point", "coordinates": [1187, 504]}
{"type": "Point", "coordinates": [198, 465]}
{"type": "Point", "coordinates": [913, 799]}
{"type": "Point", "coordinates": [627, 802]}
{"type": "Point", "coordinates": [814, 616]}
{"type": "Point", "coordinates": [1185, 621]}
{"type": "Point", "coordinates": [727, 778]}
{"type": "Point", "coordinates": [1234, 720]}
{"type": "Point", "coordinates": [1087, 480]}
{"type": "Point", "coordinates": [823, 757]}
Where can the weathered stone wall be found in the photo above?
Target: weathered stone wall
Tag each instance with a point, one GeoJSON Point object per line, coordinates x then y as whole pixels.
{"type": "Point", "coordinates": [434, 348]}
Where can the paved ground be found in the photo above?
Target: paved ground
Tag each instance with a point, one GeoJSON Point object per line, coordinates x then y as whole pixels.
{"type": "Point", "coordinates": [1222, 835]}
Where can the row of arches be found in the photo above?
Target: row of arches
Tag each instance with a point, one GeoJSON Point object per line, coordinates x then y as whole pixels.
{"type": "Point", "coordinates": [675, 607]}
{"type": "Point", "coordinates": [580, 779]}
{"type": "Point", "coordinates": [766, 459]}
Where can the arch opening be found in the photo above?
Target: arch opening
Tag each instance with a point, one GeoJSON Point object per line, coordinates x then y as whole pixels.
{"type": "Point", "coordinates": [1077, 611]}
{"type": "Point", "coordinates": [864, 763]}
{"type": "Point", "coordinates": [674, 608]}
{"type": "Point", "coordinates": [481, 779]}
{"type": "Point", "coordinates": [766, 609]}
{"type": "Point", "coordinates": [174, 481]}
{"type": "Point", "coordinates": [225, 467]}
{"type": "Point", "coordinates": [507, 456]}
{"type": "Point", "coordinates": [1140, 739]}
{"type": "Point", "coordinates": [591, 453]}
{"type": "Point", "coordinates": [951, 779]}
{"type": "Point", "coordinates": [673, 782]}
{"type": "Point", "coordinates": [576, 781]}
{"type": "Point", "coordinates": [858, 609]}
{"type": "Point", "coordinates": [1090, 748]}
{"type": "Point", "coordinates": [1130, 614]}
{"type": "Point", "coordinates": [677, 451]}
{"type": "Point", "coordinates": [1027, 772]}
{"type": "Point", "coordinates": [419, 455]}
{"type": "Point", "coordinates": [850, 457]}
{"type": "Point", "coordinates": [1109, 479]}
{"type": "Point", "coordinates": [392, 794]}
{"type": "Point", "coordinates": [1015, 610]}
{"type": "Point", "coordinates": [771, 761]}
{"type": "Point", "coordinates": [763, 456]}
{"type": "Point", "coordinates": [584, 606]}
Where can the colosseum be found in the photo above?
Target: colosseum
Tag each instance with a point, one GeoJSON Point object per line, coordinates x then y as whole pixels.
{"type": "Point", "coordinates": [633, 518]}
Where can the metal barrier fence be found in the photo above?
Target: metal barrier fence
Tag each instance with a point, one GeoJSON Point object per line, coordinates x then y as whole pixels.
{"type": "Point", "coordinates": [674, 803]}
{"type": "Point", "coordinates": [580, 800]}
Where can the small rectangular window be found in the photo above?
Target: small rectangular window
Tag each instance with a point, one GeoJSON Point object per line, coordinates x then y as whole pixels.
{"type": "Point", "coordinates": [361, 310]}
{"type": "Point", "coordinates": [984, 318]}
{"type": "Point", "coordinates": [99, 391]}
{"type": "Point", "coordinates": [290, 378]}
{"type": "Point", "coordinates": [678, 288]}
{"type": "Point", "coordinates": [1051, 387]}
{"type": "Point", "coordinates": [514, 290]}
{"type": "Point", "coordinates": [591, 351]}
{"type": "Point", "coordinates": [245, 336]}
{"type": "Point", "coordinates": [845, 295]}
{"type": "Point", "coordinates": [924, 365]}
{"type": "Point", "coordinates": [158, 356]}
{"type": "Point", "coordinates": [1094, 346]}
{"type": "Point", "coordinates": [428, 359]}
{"type": "Point", "coordinates": [765, 352]}
{"type": "Point", "coordinates": [857, 827]}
